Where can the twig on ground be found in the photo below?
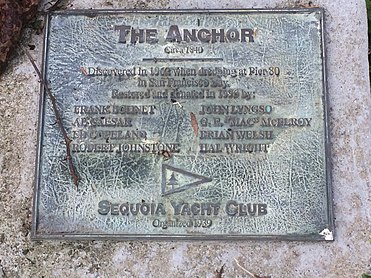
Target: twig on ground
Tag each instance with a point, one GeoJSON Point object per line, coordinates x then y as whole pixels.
{"type": "Point", "coordinates": [220, 272]}
{"type": "Point", "coordinates": [58, 117]}
{"type": "Point", "coordinates": [248, 272]}
{"type": "Point", "coordinates": [244, 269]}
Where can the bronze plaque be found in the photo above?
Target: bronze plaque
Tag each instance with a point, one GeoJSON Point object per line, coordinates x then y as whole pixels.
{"type": "Point", "coordinates": [184, 124]}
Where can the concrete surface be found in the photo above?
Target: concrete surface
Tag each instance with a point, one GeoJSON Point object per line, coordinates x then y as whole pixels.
{"type": "Point", "coordinates": [349, 100]}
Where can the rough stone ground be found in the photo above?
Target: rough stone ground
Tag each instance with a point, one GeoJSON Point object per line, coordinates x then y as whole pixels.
{"type": "Point", "coordinates": [349, 101]}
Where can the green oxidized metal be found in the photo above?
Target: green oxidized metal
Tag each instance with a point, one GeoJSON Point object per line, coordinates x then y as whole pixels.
{"type": "Point", "coordinates": [185, 124]}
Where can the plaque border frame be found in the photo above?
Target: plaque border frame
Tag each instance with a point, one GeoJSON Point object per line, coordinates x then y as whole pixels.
{"type": "Point", "coordinates": [326, 235]}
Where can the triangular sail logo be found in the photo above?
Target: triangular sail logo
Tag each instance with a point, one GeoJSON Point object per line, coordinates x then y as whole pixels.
{"type": "Point", "coordinates": [176, 180]}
